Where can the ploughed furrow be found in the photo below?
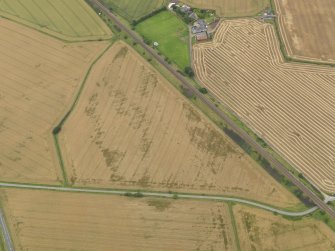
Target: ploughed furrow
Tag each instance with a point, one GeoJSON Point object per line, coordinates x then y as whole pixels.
{"type": "Point", "coordinates": [289, 105]}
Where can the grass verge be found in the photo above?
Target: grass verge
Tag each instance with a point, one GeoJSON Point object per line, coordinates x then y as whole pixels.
{"type": "Point", "coordinates": [233, 223]}
{"type": "Point", "coordinates": [58, 127]}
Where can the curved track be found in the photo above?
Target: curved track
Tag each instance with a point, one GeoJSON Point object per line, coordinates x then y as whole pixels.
{"type": "Point", "coordinates": [158, 194]}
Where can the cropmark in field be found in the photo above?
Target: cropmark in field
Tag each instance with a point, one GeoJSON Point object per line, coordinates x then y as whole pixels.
{"type": "Point", "coordinates": [70, 20]}
{"type": "Point", "coordinates": [42, 220]}
{"type": "Point", "coordinates": [260, 230]}
{"type": "Point", "coordinates": [132, 129]}
{"type": "Point", "coordinates": [289, 105]}
{"type": "Point", "coordinates": [39, 77]}
{"type": "Point", "coordinates": [307, 30]}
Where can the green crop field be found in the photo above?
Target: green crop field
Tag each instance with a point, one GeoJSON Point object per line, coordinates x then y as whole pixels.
{"type": "Point", "coordinates": [134, 9]}
{"type": "Point", "coordinates": [67, 19]}
{"type": "Point", "coordinates": [172, 35]}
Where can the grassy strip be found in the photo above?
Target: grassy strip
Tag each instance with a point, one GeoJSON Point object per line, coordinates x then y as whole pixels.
{"type": "Point", "coordinates": [322, 216]}
{"type": "Point", "coordinates": [319, 215]}
{"type": "Point", "coordinates": [58, 127]}
{"type": "Point", "coordinates": [60, 159]}
{"type": "Point", "coordinates": [233, 223]}
{"type": "Point", "coordinates": [2, 242]}
{"type": "Point", "coordinates": [332, 204]}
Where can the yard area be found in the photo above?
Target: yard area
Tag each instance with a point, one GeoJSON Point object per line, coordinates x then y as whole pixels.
{"type": "Point", "coordinates": [172, 35]}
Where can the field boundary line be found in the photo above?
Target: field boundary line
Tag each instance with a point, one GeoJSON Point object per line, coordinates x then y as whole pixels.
{"type": "Point", "coordinates": [233, 223]}
{"type": "Point", "coordinates": [284, 46]}
{"type": "Point", "coordinates": [54, 34]}
{"type": "Point", "coordinates": [58, 128]}
{"type": "Point", "coordinates": [170, 195]}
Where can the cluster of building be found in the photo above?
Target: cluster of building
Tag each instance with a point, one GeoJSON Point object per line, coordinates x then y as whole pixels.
{"type": "Point", "coordinates": [268, 15]}
{"type": "Point", "coordinates": [199, 27]}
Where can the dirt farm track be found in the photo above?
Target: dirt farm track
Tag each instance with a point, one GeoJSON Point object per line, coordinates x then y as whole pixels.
{"type": "Point", "coordinates": [290, 105]}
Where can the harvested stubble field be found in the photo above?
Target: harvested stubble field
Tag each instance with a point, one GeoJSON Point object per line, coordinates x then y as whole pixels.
{"type": "Point", "coordinates": [67, 19]}
{"type": "Point", "coordinates": [134, 10]}
{"type": "Point", "coordinates": [39, 76]}
{"type": "Point", "coordinates": [132, 129]}
{"type": "Point", "coordinates": [42, 220]}
{"type": "Point", "coordinates": [307, 30]}
{"type": "Point", "coordinates": [260, 230]}
{"type": "Point", "coordinates": [289, 105]}
{"type": "Point", "coordinates": [231, 8]}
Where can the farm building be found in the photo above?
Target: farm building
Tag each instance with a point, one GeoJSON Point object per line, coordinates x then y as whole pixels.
{"type": "Point", "coordinates": [185, 9]}
{"type": "Point", "coordinates": [268, 15]}
{"type": "Point", "coordinates": [199, 26]}
{"type": "Point", "coordinates": [201, 36]}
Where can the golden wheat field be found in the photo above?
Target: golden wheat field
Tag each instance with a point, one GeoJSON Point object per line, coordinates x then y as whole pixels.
{"type": "Point", "coordinates": [260, 230]}
{"type": "Point", "coordinates": [307, 29]}
{"type": "Point", "coordinates": [42, 220]}
{"type": "Point", "coordinates": [290, 105]}
{"type": "Point", "coordinates": [39, 76]}
{"type": "Point", "coordinates": [66, 19]}
{"type": "Point", "coordinates": [132, 129]}
{"type": "Point", "coordinates": [231, 8]}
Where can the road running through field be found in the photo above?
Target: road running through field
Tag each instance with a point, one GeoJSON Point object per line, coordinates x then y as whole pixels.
{"type": "Point", "coordinates": [160, 195]}
{"type": "Point", "coordinates": [5, 232]}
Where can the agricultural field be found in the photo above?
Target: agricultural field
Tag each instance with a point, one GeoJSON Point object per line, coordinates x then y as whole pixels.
{"type": "Point", "coordinates": [39, 76]}
{"type": "Point", "coordinates": [44, 220]}
{"type": "Point", "coordinates": [132, 129]}
{"type": "Point", "coordinates": [133, 10]}
{"type": "Point", "coordinates": [66, 19]}
{"type": "Point", "coordinates": [231, 8]}
{"type": "Point", "coordinates": [307, 30]}
{"type": "Point", "coordinates": [289, 105]}
{"type": "Point", "coordinates": [172, 35]}
{"type": "Point", "coordinates": [261, 230]}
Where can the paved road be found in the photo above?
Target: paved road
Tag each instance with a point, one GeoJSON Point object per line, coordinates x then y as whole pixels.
{"type": "Point", "coordinates": [245, 136]}
{"type": "Point", "coordinates": [157, 194]}
{"type": "Point", "coordinates": [8, 240]}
